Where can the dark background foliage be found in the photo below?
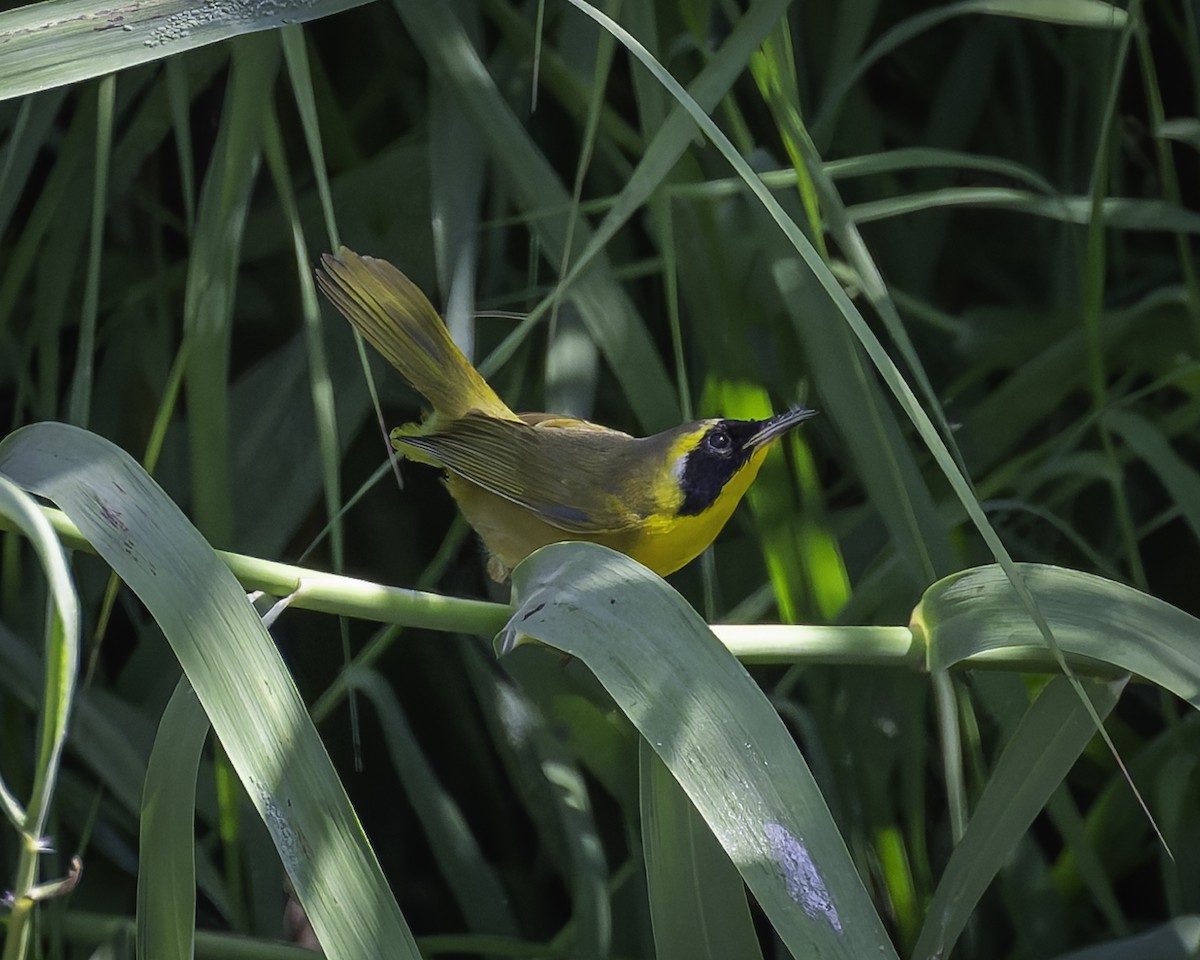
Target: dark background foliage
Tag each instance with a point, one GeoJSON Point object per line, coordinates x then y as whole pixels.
{"type": "Point", "coordinates": [1033, 221]}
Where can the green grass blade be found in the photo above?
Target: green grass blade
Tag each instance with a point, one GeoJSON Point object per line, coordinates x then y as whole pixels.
{"type": "Point", "coordinates": [478, 891]}
{"type": "Point", "coordinates": [977, 611]}
{"type": "Point", "coordinates": [932, 158]}
{"type": "Point", "coordinates": [166, 911]}
{"type": "Point", "coordinates": [33, 124]}
{"type": "Point", "coordinates": [179, 99]}
{"type": "Point", "coordinates": [237, 673]}
{"type": "Point", "coordinates": [1148, 442]}
{"type": "Point", "coordinates": [102, 744]}
{"type": "Point", "coordinates": [675, 134]}
{"type": "Point", "coordinates": [1177, 940]}
{"type": "Point", "coordinates": [605, 307]}
{"type": "Point", "coordinates": [1182, 129]}
{"type": "Point", "coordinates": [110, 738]}
{"type": "Point", "coordinates": [1071, 13]}
{"type": "Point", "coordinates": [311, 589]}
{"type": "Point", "coordinates": [61, 650]}
{"type": "Point", "coordinates": [457, 179]}
{"type": "Point", "coordinates": [60, 666]}
{"type": "Point", "coordinates": [1050, 737]}
{"type": "Point", "coordinates": [713, 728]}
{"type": "Point", "coordinates": [54, 43]}
{"type": "Point", "coordinates": [697, 898]}
{"type": "Point", "coordinates": [873, 437]}
{"type": "Point", "coordinates": [775, 71]}
{"type": "Point", "coordinates": [1122, 213]}
{"type": "Point", "coordinates": [62, 188]}
{"type": "Point", "coordinates": [546, 775]}
{"type": "Point", "coordinates": [299, 73]}
{"type": "Point", "coordinates": [320, 382]}
{"type": "Point", "coordinates": [61, 653]}
{"type": "Point", "coordinates": [866, 336]}
{"type": "Point", "coordinates": [1006, 699]}
{"type": "Point", "coordinates": [1077, 13]}
{"type": "Point", "coordinates": [212, 281]}
{"type": "Point", "coordinates": [80, 402]}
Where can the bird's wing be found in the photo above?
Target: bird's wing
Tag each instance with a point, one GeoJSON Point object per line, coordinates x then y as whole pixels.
{"type": "Point", "coordinates": [572, 477]}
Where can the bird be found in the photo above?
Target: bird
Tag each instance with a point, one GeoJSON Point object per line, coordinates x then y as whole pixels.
{"type": "Point", "coordinates": [524, 481]}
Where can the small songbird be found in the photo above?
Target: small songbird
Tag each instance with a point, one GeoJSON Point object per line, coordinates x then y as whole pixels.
{"type": "Point", "coordinates": [527, 480]}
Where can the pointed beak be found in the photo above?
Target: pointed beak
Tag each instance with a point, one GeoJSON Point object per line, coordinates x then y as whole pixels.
{"type": "Point", "coordinates": [778, 425]}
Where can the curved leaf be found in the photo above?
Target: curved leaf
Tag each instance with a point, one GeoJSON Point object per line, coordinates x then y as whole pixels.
{"type": "Point", "coordinates": [713, 728]}
{"type": "Point", "coordinates": [977, 611]}
{"type": "Point", "coordinates": [54, 43]}
{"type": "Point", "coordinates": [237, 674]}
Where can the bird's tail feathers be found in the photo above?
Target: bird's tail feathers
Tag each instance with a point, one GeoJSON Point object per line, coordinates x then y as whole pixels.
{"type": "Point", "coordinates": [399, 321]}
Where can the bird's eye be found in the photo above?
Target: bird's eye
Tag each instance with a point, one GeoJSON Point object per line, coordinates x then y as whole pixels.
{"type": "Point", "coordinates": [719, 441]}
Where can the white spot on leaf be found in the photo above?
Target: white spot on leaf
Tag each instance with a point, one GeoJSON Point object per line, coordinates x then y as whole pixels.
{"type": "Point", "coordinates": [804, 883]}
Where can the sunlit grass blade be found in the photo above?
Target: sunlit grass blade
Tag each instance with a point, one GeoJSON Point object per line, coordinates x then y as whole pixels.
{"type": "Point", "coordinates": [57, 42]}
{"type": "Point", "coordinates": [236, 672]}
{"type": "Point", "coordinates": [714, 729]}
{"type": "Point", "coordinates": [166, 913]}
{"type": "Point", "coordinates": [977, 612]}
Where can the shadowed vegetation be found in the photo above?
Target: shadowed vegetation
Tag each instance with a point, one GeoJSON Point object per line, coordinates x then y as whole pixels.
{"type": "Point", "coordinates": [964, 232]}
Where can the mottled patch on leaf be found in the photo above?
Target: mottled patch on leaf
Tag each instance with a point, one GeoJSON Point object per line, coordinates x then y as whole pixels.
{"type": "Point", "coordinates": [804, 883]}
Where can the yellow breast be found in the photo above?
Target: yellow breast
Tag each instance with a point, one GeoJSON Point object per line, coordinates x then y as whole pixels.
{"type": "Point", "coordinates": [664, 542]}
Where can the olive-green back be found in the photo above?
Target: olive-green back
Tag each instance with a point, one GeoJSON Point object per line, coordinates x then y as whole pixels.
{"type": "Point", "coordinates": [581, 479]}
